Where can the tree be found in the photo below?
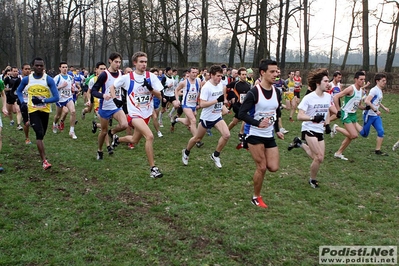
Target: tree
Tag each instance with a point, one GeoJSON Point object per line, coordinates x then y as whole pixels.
{"type": "Point", "coordinates": [333, 35]}
{"type": "Point", "coordinates": [204, 30]}
{"type": "Point", "coordinates": [348, 44]}
{"type": "Point", "coordinates": [393, 40]}
{"type": "Point", "coordinates": [365, 28]}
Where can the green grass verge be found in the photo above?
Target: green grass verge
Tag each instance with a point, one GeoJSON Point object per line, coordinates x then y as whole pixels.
{"type": "Point", "coordinates": [88, 212]}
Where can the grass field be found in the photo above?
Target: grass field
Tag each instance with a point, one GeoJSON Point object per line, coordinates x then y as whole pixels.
{"type": "Point", "coordinates": [88, 212]}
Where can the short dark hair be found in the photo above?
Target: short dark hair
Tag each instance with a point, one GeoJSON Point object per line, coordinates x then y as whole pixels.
{"type": "Point", "coordinates": [358, 74]}
{"type": "Point", "coordinates": [154, 69]}
{"type": "Point", "coordinates": [337, 73]}
{"type": "Point", "coordinates": [241, 69]}
{"type": "Point", "coordinates": [36, 59]}
{"type": "Point", "coordinates": [167, 69]}
{"type": "Point", "coordinates": [114, 56]}
{"type": "Point", "coordinates": [215, 69]}
{"type": "Point", "coordinates": [264, 64]}
{"type": "Point", "coordinates": [63, 63]}
{"type": "Point", "coordinates": [379, 76]}
{"type": "Point", "coordinates": [98, 64]}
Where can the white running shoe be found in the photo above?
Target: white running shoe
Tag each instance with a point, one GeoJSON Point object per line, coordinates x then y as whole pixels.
{"type": "Point", "coordinates": [72, 134]}
{"type": "Point", "coordinates": [55, 129]}
{"type": "Point", "coordinates": [395, 146]}
{"type": "Point", "coordinates": [160, 134]}
{"type": "Point", "coordinates": [340, 156]}
{"type": "Point", "coordinates": [216, 161]}
{"type": "Point", "coordinates": [283, 130]}
{"type": "Point", "coordinates": [334, 130]}
{"type": "Point", "coordinates": [184, 157]}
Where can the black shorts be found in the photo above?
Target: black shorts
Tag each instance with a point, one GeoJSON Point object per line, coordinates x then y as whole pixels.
{"type": "Point", "coordinates": [319, 136]}
{"type": "Point", "coordinates": [297, 94]}
{"type": "Point", "coordinates": [169, 99]}
{"type": "Point", "coordinates": [267, 142]}
{"type": "Point", "coordinates": [11, 98]}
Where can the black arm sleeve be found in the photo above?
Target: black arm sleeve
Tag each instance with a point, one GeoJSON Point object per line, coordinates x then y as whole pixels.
{"type": "Point", "coordinates": [163, 81]}
{"type": "Point", "coordinates": [278, 111]}
{"type": "Point", "coordinates": [95, 91]}
{"type": "Point", "coordinates": [250, 100]}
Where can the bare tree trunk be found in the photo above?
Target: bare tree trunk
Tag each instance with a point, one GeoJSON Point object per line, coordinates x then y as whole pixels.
{"type": "Point", "coordinates": [234, 38]}
{"type": "Point", "coordinates": [365, 27]}
{"type": "Point", "coordinates": [262, 47]}
{"type": "Point", "coordinates": [348, 45]}
{"type": "Point", "coordinates": [285, 34]}
{"type": "Point", "coordinates": [143, 28]}
{"type": "Point", "coordinates": [333, 36]}
{"type": "Point", "coordinates": [24, 35]}
{"type": "Point", "coordinates": [17, 35]}
{"type": "Point", "coordinates": [279, 30]}
{"type": "Point", "coordinates": [376, 40]}
{"type": "Point", "coordinates": [306, 22]}
{"type": "Point", "coordinates": [392, 42]}
{"type": "Point", "coordinates": [204, 35]}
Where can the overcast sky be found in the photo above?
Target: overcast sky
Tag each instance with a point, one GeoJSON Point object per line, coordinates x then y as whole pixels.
{"type": "Point", "coordinates": [321, 26]}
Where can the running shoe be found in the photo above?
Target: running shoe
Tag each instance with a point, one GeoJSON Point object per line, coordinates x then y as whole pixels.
{"type": "Point", "coordinates": [110, 150]}
{"type": "Point", "coordinates": [340, 156]}
{"type": "Point", "coordinates": [296, 143]}
{"type": "Point", "coordinates": [12, 122]}
{"type": "Point", "coordinates": [283, 130]}
{"type": "Point", "coordinates": [216, 160]}
{"type": "Point", "coordinates": [258, 201]}
{"type": "Point", "coordinates": [160, 123]}
{"type": "Point", "coordinates": [46, 165]}
{"type": "Point", "coordinates": [27, 142]}
{"type": "Point", "coordinates": [19, 127]}
{"type": "Point", "coordinates": [334, 130]}
{"type": "Point", "coordinates": [83, 116]}
{"type": "Point", "coordinates": [313, 183]}
{"type": "Point", "coordinates": [72, 135]}
{"type": "Point", "coordinates": [155, 173]}
{"type": "Point", "coordinates": [130, 146]}
{"type": "Point", "coordinates": [61, 126]}
{"type": "Point", "coordinates": [239, 146]}
{"type": "Point", "coordinates": [1, 168]}
{"type": "Point", "coordinates": [209, 132]}
{"type": "Point", "coordinates": [199, 144]}
{"type": "Point", "coordinates": [240, 137]}
{"type": "Point", "coordinates": [93, 127]}
{"type": "Point", "coordinates": [160, 135]}
{"type": "Point", "coordinates": [172, 128]}
{"type": "Point", "coordinates": [184, 157]}
{"type": "Point", "coordinates": [55, 129]}
{"type": "Point", "coordinates": [381, 153]}
{"type": "Point", "coordinates": [115, 141]}
{"type": "Point", "coordinates": [395, 146]}
{"type": "Point", "coordinates": [100, 155]}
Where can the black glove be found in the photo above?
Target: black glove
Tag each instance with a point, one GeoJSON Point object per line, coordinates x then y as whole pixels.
{"type": "Point", "coordinates": [328, 129]}
{"type": "Point", "coordinates": [23, 107]}
{"type": "Point", "coordinates": [317, 118]}
{"type": "Point", "coordinates": [148, 85]}
{"type": "Point", "coordinates": [117, 102]}
{"type": "Point", "coordinates": [36, 100]}
{"type": "Point", "coordinates": [368, 107]}
{"type": "Point", "coordinates": [339, 114]}
{"type": "Point", "coordinates": [221, 98]}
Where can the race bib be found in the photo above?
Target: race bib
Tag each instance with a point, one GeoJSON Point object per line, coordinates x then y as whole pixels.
{"type": "Point", "coordinates": [271, 115]}
{"type": "Point", "coordinates": [191, 97]}
{"type": "Point", "coordinates": [143, 99]}
{"type": "Point", "coordinates": [242, 97]}
{"type": "Point", "coordinates": [66, 92]}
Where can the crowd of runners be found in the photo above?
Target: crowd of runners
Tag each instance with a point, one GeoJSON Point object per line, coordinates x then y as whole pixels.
{"type": "Point", "coordinates": [125, 102]}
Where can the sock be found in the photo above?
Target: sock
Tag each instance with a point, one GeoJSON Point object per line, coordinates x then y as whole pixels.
{"type": "Point", "coordinates": [171, 112]}
{"type": "Point", "coordinates": [72, 129]}
{"type": "Point", "coordinates": [187, 152]}
{"type": "Point", "coordinates": [216, 154]}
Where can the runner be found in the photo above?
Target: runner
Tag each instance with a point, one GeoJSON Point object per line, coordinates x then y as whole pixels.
{"type": "Point", "coordinates": [212, 98]}
{"type": "Point", "coordinates": [260, 110]}
{"type": "Point", "coordinates": [140, 86]}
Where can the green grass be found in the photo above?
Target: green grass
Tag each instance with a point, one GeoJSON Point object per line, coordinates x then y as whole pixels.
{"type": "Point", "coordinates": [88, 212]}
